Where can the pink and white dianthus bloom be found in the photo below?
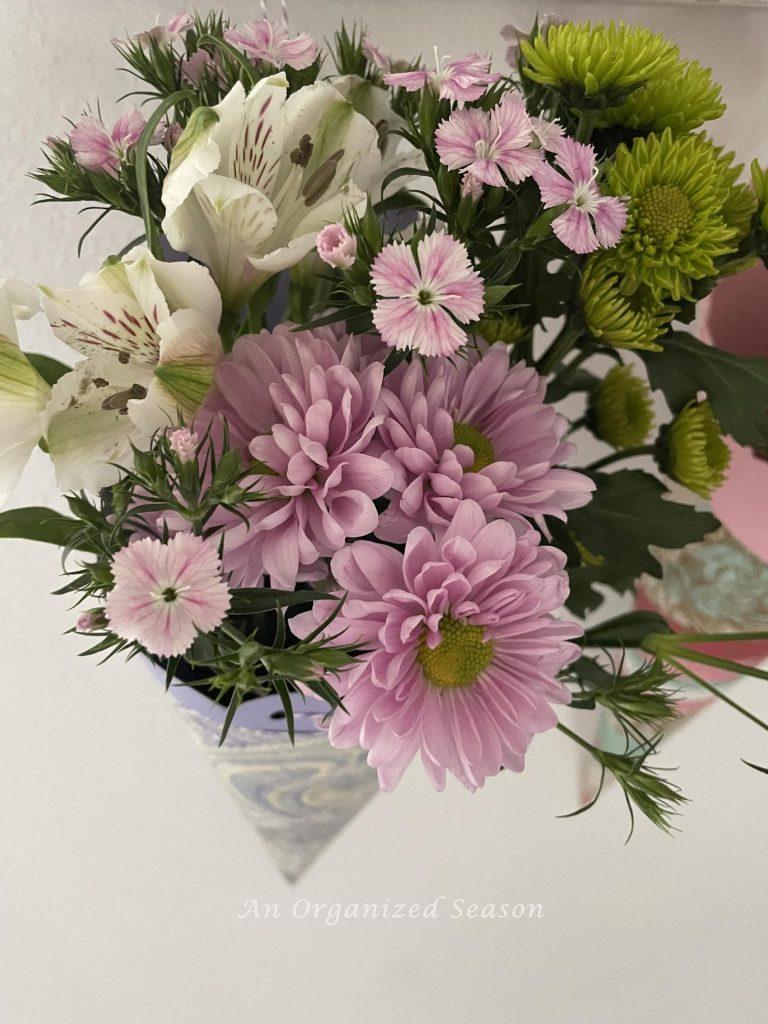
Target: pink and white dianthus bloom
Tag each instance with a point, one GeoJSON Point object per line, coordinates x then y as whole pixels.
{"type": "Point", "coordinates": [302, 404]}
{"type": "Point", "coordinates": [462, 80]}
{"type": "Point", "coordinates": [417, 302]}
{"type": "Point", "coordinates": [477, 429]}
{"type": "Point", "coordinates": [263, 40]}
{"type": "Point", "coordinates": [336, 247]}
{"type": "Point", "coordinates": [463, 649]}
{"type": "Point", "coordinates": [592, 220]}
{"type": "Point", "coordinates": [98, 149]}
{"type": "Point", "coordinates": [376, 56]}
{"type": "Point", "coordinates": [166, 594]}
{"type": "Point", "coordinates": [491, 144]}
{"type": "Point", "coordinates": [183, 444]}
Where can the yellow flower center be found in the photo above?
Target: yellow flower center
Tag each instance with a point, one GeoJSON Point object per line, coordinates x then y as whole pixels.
{"type": "Point", "coordinates": [463, 433]}
{"type": "Point", "coordinates": [459, 658]}
{"type": "Point", "coordinates": [664, 212]}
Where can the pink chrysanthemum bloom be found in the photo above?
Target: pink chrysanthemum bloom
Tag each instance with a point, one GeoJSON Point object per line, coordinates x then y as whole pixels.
{"type": "Point", "coordinates": [462, 80]}
{"type": "Point", "coordinates": [303, 405]}
{"type": "Point", "coordinates": [463, 649]}
{"type": "Point", "coordinates": [477, 429]}
{"type": "Point", "coordinates": [166, 594]}
{"type": "Point", "coordinates": [487, 143]}
{"type": "Point", "coordinates": [97, 149]}
{"type": "Point", "coordinates": [336, 247]}
{"type": "Point", "coordinates": [592, 220]}
{"type": "Point", "coordinates": [262, 40]}
{"type": "Point", "coordinates": [416, 300]}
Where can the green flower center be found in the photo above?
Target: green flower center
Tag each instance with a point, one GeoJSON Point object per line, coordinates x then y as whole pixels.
{"type": "Point", "coordinates": [664, 211]}
{"type": "Point", "coordinates": [170, 594]}
{"type": "Point", "coordinates": [459, 658]}
{"type": "Point", "coordinates": [463, 433]}
{"type": "Point", "coordinates": [424, 297]}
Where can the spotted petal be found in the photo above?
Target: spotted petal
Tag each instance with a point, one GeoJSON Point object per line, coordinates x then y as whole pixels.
{"type": "Point", "coordinates": [87, 422]}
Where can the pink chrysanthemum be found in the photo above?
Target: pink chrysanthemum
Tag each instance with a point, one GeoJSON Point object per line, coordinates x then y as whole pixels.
{"type": "Point", "coordinates": [462, 80]}
{"type": "Point", "coordinates": [303, 405]}
{"type": "Point", "coordinates": [417, 302]}
{"type": "Point", "coordinates": [166, 594]}
{"type": "Point", "coordinates": [463, 649]}
{"type": "Point", "coordinates": [487, 143]}
{"type": "Point", "coordinates": [477, 429]}
{"type": "Point", "coordinates": [97, 149]}
{"type": "Point", "coordinates": [262, 40]}
{"type": "Point", "coordinates": [591, 220]}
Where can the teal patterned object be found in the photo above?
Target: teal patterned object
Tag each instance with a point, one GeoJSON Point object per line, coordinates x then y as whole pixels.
{"type": "Point", "coordinates": [298, 797]}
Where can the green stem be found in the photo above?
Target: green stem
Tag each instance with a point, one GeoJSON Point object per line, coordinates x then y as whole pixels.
{"type": "Point", "coordinates": [716, 693]}
{"type": "Point", "coordinates": [724, 663]}
{"type": "Point", "coordinates": [586, 125]}
{"type": "Point", "coordinates": [718, 638]}
{"type": "Point", "coordinates": [626, 453]}
{"type": "Point", "coordinates": [578, 424]}
{"type": "Point", "coordinates": [568, 371]}
{"type": "Point", "coordinates": [578, 739]}
{"type": "Point", "coordinates": [560, 347]}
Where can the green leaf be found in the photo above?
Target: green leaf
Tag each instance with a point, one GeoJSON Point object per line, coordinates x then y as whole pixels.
{"type": "Point", "coordinates": [41, 524]}
{"type": "Point", "coordinates": [626, 514]}
{"type": "Point", "coordinates": [737, 387]}
{"type": "Point", "coordinates": [142, 148]}
{"type": "Point", "coordinates": [49, 369]}
{"type": "Point", "coordinates": [252, 600]}
{"type": "Point", "coordinates": [628, 630]}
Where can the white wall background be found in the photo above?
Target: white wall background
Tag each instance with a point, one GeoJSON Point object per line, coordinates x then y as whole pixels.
{"type": "Point", "coordinates": [124, 863]}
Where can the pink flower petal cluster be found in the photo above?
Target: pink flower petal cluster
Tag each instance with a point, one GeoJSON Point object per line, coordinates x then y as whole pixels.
{"type": "Point", "coordinates": [303, 404]}
{"type": "Point", "coordinates": [474, 429]}
{"type": "Point", "coordinates": [377, 57]}
{"type": "Point", "coordinates": [464, 650]}
{"type": "Point", "coordinates": [183, 444]}
{"type": "Point", "coordinates": [490, 145]}
{"type": "Point", "coordinates": [461, 80]}
{"type": "Point", "coordinates": [263, 40]}
{"type": "Point", "coordinates": [419, 302]}
{"type": "Point", "coordinates": [592, 220]}
{"type": "Point", "coordinates": [166, 594]}
{"type": "Point", "coordinates": [98, 149]}
{"type": "Point", "coordinates": [336, 247]}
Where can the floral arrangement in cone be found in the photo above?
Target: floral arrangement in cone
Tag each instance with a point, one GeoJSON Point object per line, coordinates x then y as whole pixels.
{"type": "Point", "coordinates": [315, 437]}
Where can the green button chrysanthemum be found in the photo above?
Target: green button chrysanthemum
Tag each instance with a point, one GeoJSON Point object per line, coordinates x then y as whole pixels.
{"type": "Point", "coordinates": [617, 319]}
{"type": "Point", "coordinates": [693, 451]}
{"type": "Point", "coordinates": [678, 190]}
{"type": "Point", "coordinates": [509, 329]}
{"type": "Point", "coordinates": [681, 98]}
{"type": "Point", "coordinates": [596, 65]}
{"type": "Point", "coordinates": [622, 409]}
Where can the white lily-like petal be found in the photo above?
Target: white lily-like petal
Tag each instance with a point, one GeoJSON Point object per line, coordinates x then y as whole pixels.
{"type": "Point", "coordinates": [150, 331]}
{"type": "Point", "coordinates": [87, 424]}
{"type": "Point", "coordinates": [189, 352]}
{"type": "Point", "coordinates": [118, 308]}
{"type": "Point", "coordinates": [252, 176]}
{"type": "Point", "coordinates": [23, 392]}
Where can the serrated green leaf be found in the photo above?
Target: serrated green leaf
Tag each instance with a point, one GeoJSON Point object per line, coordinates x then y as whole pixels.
{"type": "Point", "coordinates": [736, 386]}
{"type": "Point", "coordinates": [627, 513]}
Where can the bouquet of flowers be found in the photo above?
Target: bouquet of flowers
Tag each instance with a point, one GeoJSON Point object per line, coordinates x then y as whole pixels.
{"type": "Point", "coordinates": [321, 438]}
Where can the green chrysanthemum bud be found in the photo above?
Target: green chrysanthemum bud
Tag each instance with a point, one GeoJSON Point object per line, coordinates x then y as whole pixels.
{"type": "Point", "coordinates": [679, 189]}
{"type": "Point", "coordinates": [681, 98]}
{"type": "Point", "coordinates": [596, 65]}
{"type": "Point", "coordinates": [692, 450]}
{"type": "Point", "coordinates": [622, 409]}
{"type": "Point", "coordinates": [509, 329]}
{"type": "Point", "coordinates": [617, 319]}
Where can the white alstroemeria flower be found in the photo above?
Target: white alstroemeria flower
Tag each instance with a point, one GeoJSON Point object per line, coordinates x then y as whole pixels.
{"type": "Point", "coordinates": [254, 179]}
{"type": "Point", "coordinates": [149, 330]}
{"type": "Point", "coordinates": [373, 102]}
{"type": "Point", "coordinates": [23, 392]}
